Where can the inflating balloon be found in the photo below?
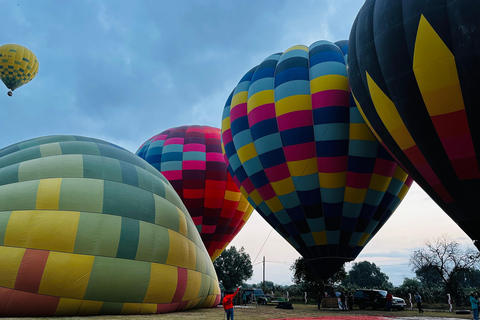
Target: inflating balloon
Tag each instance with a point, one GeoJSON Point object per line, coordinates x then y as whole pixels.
{"type": "Point", "coordinates": [190, 157]}
{"type": "Point", "coordinates": [305, 159]}
{"type": "Point", "coordinates": [18, 65]}
{"type": "Point", "coordinates": [89, 228]}
{"type": "Point", "coordinates": [413, 68]}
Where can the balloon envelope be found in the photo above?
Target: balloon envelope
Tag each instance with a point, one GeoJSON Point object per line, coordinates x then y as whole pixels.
{"type": "Point", "coordinates": [413, 68]}
{"type": "Point", "coordinates": [190, 157]}
{"type": "Point", "coordinates": [305, 159]}
{"type": "Point", "coordinates": [18, 65]}
{"type": "Point", "coordinates": [89, 228]}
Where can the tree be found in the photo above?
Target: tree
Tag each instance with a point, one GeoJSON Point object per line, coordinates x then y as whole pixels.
{"type": "Point", "coordinates": [367, 275]}
{"type": "Point", "coordinates": [432, 284]}
{"type": "Point", "coordinates": [233, 267]}
{"type": "Point", "coordinates": [445, 258]}
{"type": "Point", "coordinates": [267, 286]}
{"type": "Point", "coordinates": [308, 280]}
{"type": "Point", "coordinates": [471, 279]}
{"type": "Point", "coordinates": [305, 278]}
{"type": "Point", "coordinates": [277, 289]}
{"type": "Point", "coordinates": [409, 286]}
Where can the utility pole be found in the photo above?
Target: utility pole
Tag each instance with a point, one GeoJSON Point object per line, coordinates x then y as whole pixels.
{"type": "Point", "coordinates": [263, 274]}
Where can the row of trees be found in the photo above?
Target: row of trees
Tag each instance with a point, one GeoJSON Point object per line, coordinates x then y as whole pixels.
{"type": "Point", "coordinates": [441, 267]}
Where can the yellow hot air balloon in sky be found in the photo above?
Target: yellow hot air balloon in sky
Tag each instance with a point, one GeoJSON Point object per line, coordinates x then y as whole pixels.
{"type": "Point", "coordinates": [18, 65]}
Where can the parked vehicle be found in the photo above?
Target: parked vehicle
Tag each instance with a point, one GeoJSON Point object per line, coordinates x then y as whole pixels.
{"type": "Point", "coordinates": [374, 299]}
{"type": "Point", "coordinates": [256, 295]}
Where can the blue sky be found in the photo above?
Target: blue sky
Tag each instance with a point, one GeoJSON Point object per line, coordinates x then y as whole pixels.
{"type": "Point", "coordinates": [123, 71]}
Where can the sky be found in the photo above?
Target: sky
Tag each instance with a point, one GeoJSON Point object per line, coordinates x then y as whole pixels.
{"type": "Point", "coordinates": [123, 71]}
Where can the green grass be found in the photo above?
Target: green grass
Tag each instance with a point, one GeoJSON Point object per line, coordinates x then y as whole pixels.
{"type": "Point", "coordinates": [262, 313]}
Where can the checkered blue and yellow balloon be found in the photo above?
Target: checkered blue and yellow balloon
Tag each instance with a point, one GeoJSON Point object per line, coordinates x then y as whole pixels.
{"type": "Point", "coordinates": [18, 66]}
{"type": "Point", "coordinates": [299, 150]}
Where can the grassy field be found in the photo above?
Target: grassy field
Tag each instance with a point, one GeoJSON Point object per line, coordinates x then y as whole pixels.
{"type": "Point", "coordinates": [263, 313]}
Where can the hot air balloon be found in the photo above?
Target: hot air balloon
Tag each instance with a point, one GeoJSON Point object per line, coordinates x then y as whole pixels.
{"type": "Point", "coordinates": [18, 65]}
{"type": "Point", "coordinates": [89, 228]}
{"type": "Point", "coordinates": [413, 69]}
{"type": "Point", "coordinates": [304, 158]}
{"type": "Point", "coordinates": [191, 158]}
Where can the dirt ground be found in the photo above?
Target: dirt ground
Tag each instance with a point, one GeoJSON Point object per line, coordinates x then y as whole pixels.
{"type": "Point", "coordinates": [269, 312]}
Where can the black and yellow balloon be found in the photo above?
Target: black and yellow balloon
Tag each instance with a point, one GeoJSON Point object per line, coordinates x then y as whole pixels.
{"type": "Point", "coordinates": [18, 65]}
{"type": "Point", "coordinates": [413, 68]}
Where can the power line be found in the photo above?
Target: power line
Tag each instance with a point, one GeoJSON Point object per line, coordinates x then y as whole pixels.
{"type": "Point", "coordinates": [271, 261]}
{"type": "Point", "coordinates": [262, 246]}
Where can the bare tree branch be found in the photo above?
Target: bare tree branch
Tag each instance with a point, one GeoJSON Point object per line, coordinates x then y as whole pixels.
{"type": "Point", "coordinates": [446, 257]}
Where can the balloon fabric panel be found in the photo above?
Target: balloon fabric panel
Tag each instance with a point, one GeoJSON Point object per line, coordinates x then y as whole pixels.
{"type": "Point", "coordinates": [81, 220]}
{"type": "Point", "coordinates": [190, 157]}
{"type": "Point", "coordinates": [302, 155]}
{"type": "Point", "coordinates": [422, 104]}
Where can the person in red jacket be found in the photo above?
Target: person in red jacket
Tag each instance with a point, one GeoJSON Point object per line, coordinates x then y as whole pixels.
{"type": "Point", "coordinates": [389, 299]}
{"type": "Point", "coordinates": [228, 304]}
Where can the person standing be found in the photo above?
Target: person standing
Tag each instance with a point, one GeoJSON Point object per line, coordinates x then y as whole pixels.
{"type": "Point", "coordinates": [418, 299]}
{"type": "Point", "coordinates": [228, 304]}
{"type": "Point", "coordinates": [389, 299]}
{"type": "Point", "coordinates": [350, 301]}
{"type": "Point", "coordinates": [342, 301]}
{"type": "Point", "coordinates": [474, 303]}
{"type": "Point", "coordinates": [319, 300]}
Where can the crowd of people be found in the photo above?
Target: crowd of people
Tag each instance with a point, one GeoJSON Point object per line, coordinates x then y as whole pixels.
{"type": "Point", "coordinates": [345, 301]}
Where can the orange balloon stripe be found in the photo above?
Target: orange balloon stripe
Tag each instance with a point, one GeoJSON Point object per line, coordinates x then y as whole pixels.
{"type": "Point", "coordinates": [458, 143]}
{"type": "Point", "coordinates": [167, 307]}
{"type": "Point", "coordinates": [436, 73]}
{"type": "Point", "coordinates": [31, 270]}
{"type": "Point", "coordinates": [393, 122]}
{"type": "Point", "coordinates": [416, 157]}
{"type": "Point", "coordinates": [182, 275]}
{"type": "Point", "coordinates": [15, 303]}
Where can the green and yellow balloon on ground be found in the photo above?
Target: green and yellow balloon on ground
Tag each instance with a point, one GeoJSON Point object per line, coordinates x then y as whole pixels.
{"type": "Point", "coordinates": [18, 66]}
{"type": "Point", "coordinates": [89, 228]}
